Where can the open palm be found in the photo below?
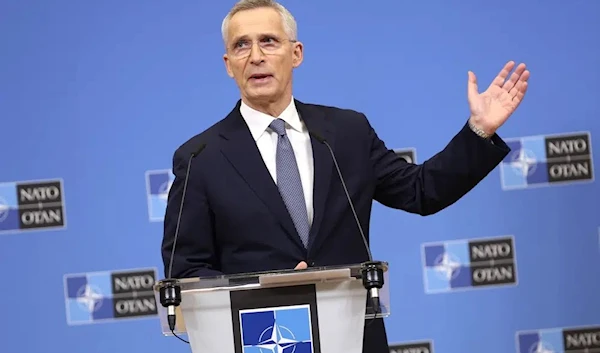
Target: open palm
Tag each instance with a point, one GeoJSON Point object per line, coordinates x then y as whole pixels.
{"type": "Point", "coordinates": [490, 109]}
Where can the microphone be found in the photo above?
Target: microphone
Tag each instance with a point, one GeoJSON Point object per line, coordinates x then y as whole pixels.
{"type": "Point", "coordinates": [170, 291]}
{"type": "Point", "coordinates": [371, 271]}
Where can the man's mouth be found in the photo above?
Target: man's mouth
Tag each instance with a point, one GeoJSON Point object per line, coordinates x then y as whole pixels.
{"type": "Point", "coordinates": [259, 77]}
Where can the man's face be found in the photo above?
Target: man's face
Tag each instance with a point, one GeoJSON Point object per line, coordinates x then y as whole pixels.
{"type": "Point", "coordinates": [260, 56]}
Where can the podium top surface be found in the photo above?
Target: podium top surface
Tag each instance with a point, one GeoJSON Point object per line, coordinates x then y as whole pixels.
{"type": "Point", "coordinates": [274, 277]}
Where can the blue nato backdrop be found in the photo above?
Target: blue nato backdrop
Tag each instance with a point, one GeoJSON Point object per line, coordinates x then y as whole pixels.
{"type": "Point", "coordinates": [95, 96]}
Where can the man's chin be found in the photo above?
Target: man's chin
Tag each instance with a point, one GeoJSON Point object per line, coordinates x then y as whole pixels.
{"type": "Point", "coordinates": [261, 94]}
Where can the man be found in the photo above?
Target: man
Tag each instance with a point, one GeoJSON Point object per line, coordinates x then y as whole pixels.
{"type": "Point", "coordinates": [264, 193]}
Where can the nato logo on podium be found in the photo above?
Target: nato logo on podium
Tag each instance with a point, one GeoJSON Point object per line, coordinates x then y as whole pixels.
{"type": "Point", "coordinates": [280, 319]}
{"type": "Point", "coordinates": [281, 329]}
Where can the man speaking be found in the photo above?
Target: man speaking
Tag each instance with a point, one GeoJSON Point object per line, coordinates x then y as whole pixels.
{"type": "Point", "coordinates": [264, 193]}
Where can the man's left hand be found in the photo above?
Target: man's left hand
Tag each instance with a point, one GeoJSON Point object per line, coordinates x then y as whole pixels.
{"type": "Point", "coordinates": [490, 109]}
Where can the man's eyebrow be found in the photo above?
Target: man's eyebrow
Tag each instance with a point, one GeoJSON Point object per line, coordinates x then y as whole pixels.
{"type": "Point", "coordinates": [235, 39]}
{"type": "Point", "coordinates": [261, 35]}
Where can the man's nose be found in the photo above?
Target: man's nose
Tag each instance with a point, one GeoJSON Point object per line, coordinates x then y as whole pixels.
{"type": "Point", "coordinates": [256, 54]}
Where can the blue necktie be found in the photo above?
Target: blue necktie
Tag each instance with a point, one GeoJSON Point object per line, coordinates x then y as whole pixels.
{"type": "Point", "coordinates": [288, 181]}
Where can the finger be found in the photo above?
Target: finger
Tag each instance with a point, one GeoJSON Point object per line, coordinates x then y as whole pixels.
{"type": "Point", "coordinates": [472, 85]}
{"type": "Point", "coordinates": [301, 266]}
{"type": "Point", "coordinates": [513, 91]}
{"type": "Point", "coordinates": [525, 76]}
{"type": "Point", "coordinates": [503, 74]}
{"type": "Point", "coordinates": [521, 92]}
{"type": "Point", "coordinates": [518, 85]}
{"type": "Point", "coordinates": [510, 83]}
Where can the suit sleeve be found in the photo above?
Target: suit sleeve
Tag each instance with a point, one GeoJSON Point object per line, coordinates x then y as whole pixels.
{"type": "Point", "coordinates": [195, 254]}
{"type": "Point", "coordinates": [440, 181]}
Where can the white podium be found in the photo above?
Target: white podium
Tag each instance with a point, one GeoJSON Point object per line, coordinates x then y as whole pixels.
{"type": "Point", "coordinates": [317, 310]}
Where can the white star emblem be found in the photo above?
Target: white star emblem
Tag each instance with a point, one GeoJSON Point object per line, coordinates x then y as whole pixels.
{"type": "Point", "coordinates": [524, 162]}
{"type": "Point", "coordinates": [163, 190]}
{"type": "Point", "coordinates": [89, 298]}
{"type": "Point", "coordinates": [4, 208]}
{"type": "Point", "coordinates": [280, 339]}
{"type": "Point", "coordinates": [447, 266]}
{"type": "Point", "coordinates": [541, 347]}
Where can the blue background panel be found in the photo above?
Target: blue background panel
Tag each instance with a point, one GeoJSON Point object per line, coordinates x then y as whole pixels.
{"type": "Point", "coordinates": [98, 94]}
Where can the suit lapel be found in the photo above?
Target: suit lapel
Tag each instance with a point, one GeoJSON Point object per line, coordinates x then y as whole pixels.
{"type": "Point", "coordinates": [317, 122]}
{"type": "Point", "coordinates": [241, 151]}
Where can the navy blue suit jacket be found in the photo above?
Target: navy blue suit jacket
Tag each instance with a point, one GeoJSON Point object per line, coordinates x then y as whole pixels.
{"type": "Point", "coordinates": [234, 219]}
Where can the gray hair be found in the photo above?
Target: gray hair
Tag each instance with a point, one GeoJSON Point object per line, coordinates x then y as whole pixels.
{"type": "Point", "coordinates": [289, 23]}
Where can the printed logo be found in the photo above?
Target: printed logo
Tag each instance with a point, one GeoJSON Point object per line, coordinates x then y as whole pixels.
{"type": "Point", "coordinates": [469, 264]}
{"type": "Point", "coordinates": [547, 160]}
{"type": "Point", "coordinates": [282, 329]}
{"type": "Point", "coordinates": [158, 184]}
{"type": "Point", "coordinates": [275, 319]}
{"type": "Point", "coordinates": [409, 154]}
{"type": "Point", "coordinates": [32, 205]}
{"type": "Point", "coordinates": [559, 340]}
{"type": "Point", "coordinates": [412, 347]}
{"type": "Point", "coordinates": [107, 296]}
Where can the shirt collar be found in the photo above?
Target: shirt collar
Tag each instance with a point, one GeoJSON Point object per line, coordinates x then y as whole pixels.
{"type": "Point", "coordinates": [258, 122]}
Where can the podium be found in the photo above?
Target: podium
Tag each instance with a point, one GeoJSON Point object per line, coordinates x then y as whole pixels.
{"type": "Point", "coordinates": [316, 310]}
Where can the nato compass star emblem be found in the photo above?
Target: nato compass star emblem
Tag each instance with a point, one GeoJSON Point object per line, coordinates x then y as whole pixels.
{"type": "Point", "coordinates": [447, 266]}
{"type": "Point", "coordinates": [524, 162]}
{"type": "Point", "coordinates": [4, 209]}
{"type": "Point", "coordinates": [89, 298]}
{"type": "Point", "coordinates": [280, 340]}
{"type": "Point", "coordinates": [163, 190]}
{"type": "Point", "coordinates": [541, 347]}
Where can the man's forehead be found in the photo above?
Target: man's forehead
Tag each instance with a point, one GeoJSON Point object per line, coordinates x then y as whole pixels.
{"type": "Point", "coordinates": [256, 22]}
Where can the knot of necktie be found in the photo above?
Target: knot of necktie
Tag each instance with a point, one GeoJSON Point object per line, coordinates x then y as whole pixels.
{"type": "Point", "coordinates": [278, 126]}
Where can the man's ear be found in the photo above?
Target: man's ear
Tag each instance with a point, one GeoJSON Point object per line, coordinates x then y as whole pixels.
{"type": "Point", "coordinates": [298, 54]}
{"type": "Point", "coordinates": [227, 65]}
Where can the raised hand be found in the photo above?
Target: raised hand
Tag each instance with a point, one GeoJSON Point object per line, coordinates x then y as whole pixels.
{"type": "Point", "coordinates": [490, 109]}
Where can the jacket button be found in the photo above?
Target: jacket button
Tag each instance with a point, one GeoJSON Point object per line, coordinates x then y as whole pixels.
{"type": "Point", "coordinates": [312, 263]}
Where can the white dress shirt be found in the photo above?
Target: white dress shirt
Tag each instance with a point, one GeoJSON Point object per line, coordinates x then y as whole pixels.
{"type": "Point", "coordinates": [266, 141]}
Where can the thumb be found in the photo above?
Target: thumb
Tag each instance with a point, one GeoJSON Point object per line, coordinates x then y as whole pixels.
{"type": "Point", "coordinates": [472, 86]}
{"type": "Point", "coordinates": [301, 266]}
